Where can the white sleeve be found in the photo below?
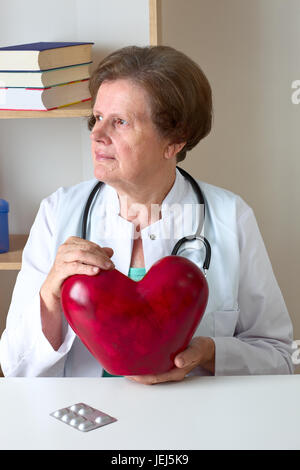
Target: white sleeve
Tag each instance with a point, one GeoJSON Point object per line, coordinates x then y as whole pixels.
{"type": "Point", "coordinates": [24, 350]}
{"type": "Point", "coordinates": [262, 343]}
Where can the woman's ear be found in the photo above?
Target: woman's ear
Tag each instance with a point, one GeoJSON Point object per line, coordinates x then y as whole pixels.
{"type": "Point", "coordinates": [172, 149]}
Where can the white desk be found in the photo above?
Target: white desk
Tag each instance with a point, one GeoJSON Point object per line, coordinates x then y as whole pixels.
{"type": "Point", "coordinates": [256, 412]}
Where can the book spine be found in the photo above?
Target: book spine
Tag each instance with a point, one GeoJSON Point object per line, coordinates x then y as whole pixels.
{"type": "Point", "coordinates": [60, 84]}
{"type": "Point", "coordinates": [49, 109]}
{"type": "Point", "coordinates": [70, 104]}
{"type": "Point", "coordinates": [48, 70]}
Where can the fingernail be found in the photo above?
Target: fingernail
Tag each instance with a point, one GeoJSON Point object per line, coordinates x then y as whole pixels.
{"type": "Point", "coordinates": [95, 269]}
{"type": "Point", "coordinates": [109, 264]}
{"type": "Point", "coordinates": [180, 362]}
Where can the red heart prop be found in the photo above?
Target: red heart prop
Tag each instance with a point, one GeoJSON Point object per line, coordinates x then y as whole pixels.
{"type": "Point", "coordinates": [135, 328]}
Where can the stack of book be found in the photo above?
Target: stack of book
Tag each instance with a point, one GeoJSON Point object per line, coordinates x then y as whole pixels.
{"type": "Point", "coordinates": [44, 75]}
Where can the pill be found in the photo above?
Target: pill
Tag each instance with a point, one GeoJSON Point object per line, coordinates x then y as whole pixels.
{"type": "Point", "coordinates": [84, 411]}
{"type": "Point", "coordinates": [86, 426]}
{"type": "Point", "coordinates": [75, 408]}
{"type": "Point", "coordinates": [68, 416]}
{"type": "Point", "coordinates": [76, 421]}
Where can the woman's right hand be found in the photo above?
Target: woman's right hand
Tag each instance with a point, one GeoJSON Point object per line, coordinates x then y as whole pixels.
{"type": "Point", "coordinates": [75, 256]}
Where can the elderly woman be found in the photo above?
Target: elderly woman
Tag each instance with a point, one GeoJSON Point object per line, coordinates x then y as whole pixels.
{"type": "Point", "coordinates": [150, 106]}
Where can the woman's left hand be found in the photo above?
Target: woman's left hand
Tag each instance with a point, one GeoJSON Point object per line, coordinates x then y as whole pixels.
{"type": "Point", "coordinates": [200, 352]}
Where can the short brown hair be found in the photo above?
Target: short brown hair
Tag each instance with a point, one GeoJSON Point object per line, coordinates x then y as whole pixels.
{"type": "Point", "coordinates": [180, 94]}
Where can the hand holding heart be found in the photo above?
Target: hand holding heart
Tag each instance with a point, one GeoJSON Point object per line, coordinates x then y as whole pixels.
{"type": "Point", "coordinates": [75, 256]}
{"type": "Point", "coordinates": [200, 352]}
{"type": "Point", "coordinates": [138, 328]}
{"type": "Point", "coordinates": [161, 312]}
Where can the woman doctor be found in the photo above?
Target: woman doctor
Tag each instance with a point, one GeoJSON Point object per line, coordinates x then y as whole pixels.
{"type": "Point", "coordinates": [150, 106]}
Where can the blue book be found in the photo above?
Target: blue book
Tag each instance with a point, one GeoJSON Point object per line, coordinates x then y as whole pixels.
{"type": "Point", "coordinates": [44, 56]}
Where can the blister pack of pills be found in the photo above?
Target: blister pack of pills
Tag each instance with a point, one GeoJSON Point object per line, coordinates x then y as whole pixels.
{"type": "Point", "coordinates": [82, 417]}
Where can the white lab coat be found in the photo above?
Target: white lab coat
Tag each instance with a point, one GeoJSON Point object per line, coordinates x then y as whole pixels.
{"type": "Point", "coordinates": [246, 315]}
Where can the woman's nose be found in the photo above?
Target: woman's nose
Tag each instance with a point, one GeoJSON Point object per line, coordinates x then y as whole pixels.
{"type": "Point", "coordinates": [100, 133]}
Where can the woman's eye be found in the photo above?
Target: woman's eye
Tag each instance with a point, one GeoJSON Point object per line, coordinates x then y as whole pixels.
{"type": "Point", "coordinates": [116, 121]}
{"type": "Point", "coordinates": [120, 122]}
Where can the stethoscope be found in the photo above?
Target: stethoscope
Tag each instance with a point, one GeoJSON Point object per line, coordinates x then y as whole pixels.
{"type": "Point", "coordinates": [189, 238]}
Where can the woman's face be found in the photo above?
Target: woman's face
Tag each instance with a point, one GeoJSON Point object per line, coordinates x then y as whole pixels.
{"type": "Point", "coordinates": [126, 146]}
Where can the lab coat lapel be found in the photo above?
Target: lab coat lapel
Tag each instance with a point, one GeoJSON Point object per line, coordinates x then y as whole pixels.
{"type": "Point", "coordinates": [111, 230]}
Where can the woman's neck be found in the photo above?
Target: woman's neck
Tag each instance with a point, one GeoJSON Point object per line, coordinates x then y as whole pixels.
{"type": "Point", "coordinates": [142, 206]}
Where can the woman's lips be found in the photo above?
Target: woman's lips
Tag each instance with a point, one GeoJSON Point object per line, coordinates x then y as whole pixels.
{"type": "Point", "coordinates": [103, 156]}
